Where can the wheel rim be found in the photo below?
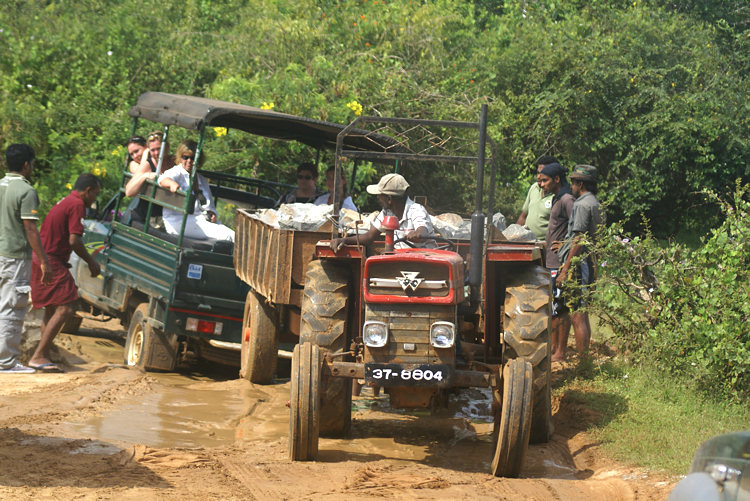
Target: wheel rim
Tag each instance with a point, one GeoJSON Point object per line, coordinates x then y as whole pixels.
{"type": "Point", "coordinates": [136, 343]}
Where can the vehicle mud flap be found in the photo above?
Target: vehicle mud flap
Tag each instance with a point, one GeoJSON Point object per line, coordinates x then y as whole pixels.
{"type": "Point", "coordinates": [512, 419]}
{"type": "Point", "coordinates": [162, 352]}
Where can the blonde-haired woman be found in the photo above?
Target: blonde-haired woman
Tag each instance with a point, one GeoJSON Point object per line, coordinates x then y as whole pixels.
{"type": "Point", "coordinates": [201, 224]}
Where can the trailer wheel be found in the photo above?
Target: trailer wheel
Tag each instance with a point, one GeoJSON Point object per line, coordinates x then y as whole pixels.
{"type": "Point", "coordinates": [528, 308]}
{"type": "Point", "coordinates": [304, 404]}
{"type": "Point", "coordinates": [513, 419]}
{"type": "Point", "coordinates": [324, 323]}
{"type": "Point", "coordinates": [260, 340]}
{"type": "Point", "coordinates": [146, 347]}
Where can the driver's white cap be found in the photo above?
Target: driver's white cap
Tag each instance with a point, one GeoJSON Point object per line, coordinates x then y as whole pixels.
{"type": "Point", "coordinates": [390, 184]}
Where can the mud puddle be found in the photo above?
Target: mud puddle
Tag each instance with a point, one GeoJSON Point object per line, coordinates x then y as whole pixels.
{"type": "Point", "coordinates": [178, 412]}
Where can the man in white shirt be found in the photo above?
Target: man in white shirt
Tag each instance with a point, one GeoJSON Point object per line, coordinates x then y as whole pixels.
{"type": "Point", "coordinates": [414, 222]}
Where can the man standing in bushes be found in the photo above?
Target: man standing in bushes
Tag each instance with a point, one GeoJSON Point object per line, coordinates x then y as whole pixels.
{"type": "Point", "coordinates": [552, 180]}
{"type": "Point", "coordinates": [584, 220]}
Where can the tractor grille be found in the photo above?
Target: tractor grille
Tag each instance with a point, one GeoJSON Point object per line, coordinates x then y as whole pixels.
{"type": "Point", "coordinates": [412, 279]}
{"type": "Point", "coordinates": [409, 333]}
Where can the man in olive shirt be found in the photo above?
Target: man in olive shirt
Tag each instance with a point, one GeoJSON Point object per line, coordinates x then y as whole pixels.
{"type": "Point", "coordinates": [536, 207]}
{"type": "Point", "coordinates": [19, 212]}
{"type": "Point", "coordinates": [584, 221]}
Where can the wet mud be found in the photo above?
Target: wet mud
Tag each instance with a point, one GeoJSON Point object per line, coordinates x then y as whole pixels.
{"type": "Point", "coordinates": [103, 431]}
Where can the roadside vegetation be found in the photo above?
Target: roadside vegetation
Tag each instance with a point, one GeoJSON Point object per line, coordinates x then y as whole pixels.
{"type": "Point", "coordinates": [653, 93]}
{"type": "Point", "coordinates": [644, 417]}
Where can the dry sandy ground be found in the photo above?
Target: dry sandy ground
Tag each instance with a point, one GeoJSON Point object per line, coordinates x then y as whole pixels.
{"type": "Point", "coordinates": [101, 431]}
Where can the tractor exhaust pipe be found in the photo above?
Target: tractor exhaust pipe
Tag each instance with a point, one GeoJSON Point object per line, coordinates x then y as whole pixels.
{"type": "Point", "coordinates": [478, 218]}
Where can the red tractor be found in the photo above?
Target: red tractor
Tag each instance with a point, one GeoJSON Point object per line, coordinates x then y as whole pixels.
{"type": "Point", "coordinates": [413, 324]}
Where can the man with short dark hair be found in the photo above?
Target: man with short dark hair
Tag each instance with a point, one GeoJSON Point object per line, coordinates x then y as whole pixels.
{"type": "Point", "coordinates": [414, 222]}
{"type": "Point", "coordinates": [536, 207]}
{"type": "Point", "coordinates": [19, 212]}
{"type": "Point", "coordinates": [553, 181]}
{"type": "Point", "coordinates": [61, 233]}
{"type": "Point", "coordinates": [584, 222]}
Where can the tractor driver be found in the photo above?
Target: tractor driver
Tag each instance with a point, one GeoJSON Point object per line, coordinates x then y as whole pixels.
{"type": "Point", "coordinates": [414, 223]}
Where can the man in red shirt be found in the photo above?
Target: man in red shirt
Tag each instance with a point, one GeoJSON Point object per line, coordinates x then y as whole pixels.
{"type": "Point", "coordinates": [61, 233]}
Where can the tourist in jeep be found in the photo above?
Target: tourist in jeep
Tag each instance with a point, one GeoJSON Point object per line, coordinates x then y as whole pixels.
{"type": "Point", "coordinates": [136, 147]}
{"type": "Point", "coordinates": [201, 225]}
{"type": "Point", "coordinates": [307, 186]}
{"type": "Point", "coordinates": [327, 197]}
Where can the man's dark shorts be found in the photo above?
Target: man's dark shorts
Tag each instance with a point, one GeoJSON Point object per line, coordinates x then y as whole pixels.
{"type": "Point", "coordinates": [565, 298]}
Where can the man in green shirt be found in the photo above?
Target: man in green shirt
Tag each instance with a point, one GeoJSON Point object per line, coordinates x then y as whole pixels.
{"type": "Point", "coordinates": [19, 212]}
{"type": "Point", "coordinates": [537, 206]}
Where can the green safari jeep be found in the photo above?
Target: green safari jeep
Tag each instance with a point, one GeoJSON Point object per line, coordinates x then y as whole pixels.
{"type": "Point", "coordinates": [176, 295]}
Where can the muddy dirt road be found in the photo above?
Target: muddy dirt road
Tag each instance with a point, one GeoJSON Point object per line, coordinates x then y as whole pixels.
{"type": "Point", "coordinates": [101, 431]}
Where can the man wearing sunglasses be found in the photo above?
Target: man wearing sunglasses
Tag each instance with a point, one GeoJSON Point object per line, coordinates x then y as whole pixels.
{"type": "Point", "coordinates": [307, 186]}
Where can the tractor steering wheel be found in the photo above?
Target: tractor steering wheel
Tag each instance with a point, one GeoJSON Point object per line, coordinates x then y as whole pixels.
{"type": "Point", "coordinates": [444, 243]}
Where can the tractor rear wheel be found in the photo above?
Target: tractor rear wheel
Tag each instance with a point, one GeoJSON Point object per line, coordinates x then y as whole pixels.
{"type": "Point", "coordinates": [304, 404]}
{"type": "Point", "coordinates": [325, 311]}
{"type": "Point", "coordinates": [260, 340]}
{"type": "Point", "coordinates": [528, 309]}
{"type": "Point", "coordinates": [513, 419]}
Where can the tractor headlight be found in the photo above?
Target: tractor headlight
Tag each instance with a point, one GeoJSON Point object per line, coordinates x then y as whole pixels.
{"type": "Point", "coordinates": [375, 334]}
{"type": "Point", "coordinates": [442, 334]}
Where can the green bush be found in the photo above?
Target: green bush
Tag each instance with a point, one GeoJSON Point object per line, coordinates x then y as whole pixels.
{"type": "Point", "coordinates": [688, 310]}
{"type": "Point", "coordinates": [653, 93]}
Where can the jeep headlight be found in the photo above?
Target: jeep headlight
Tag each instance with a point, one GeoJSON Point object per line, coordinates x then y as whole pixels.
{"type": "Point", "coordinates": [375, 334]}
{"type": "Point", "coordinates": [442, 334]}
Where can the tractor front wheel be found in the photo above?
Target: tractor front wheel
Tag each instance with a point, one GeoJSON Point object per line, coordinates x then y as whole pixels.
{"type": "Point", "coordinates": [304, 404]}
{"type": "Point", "coordinates": [513, 419]}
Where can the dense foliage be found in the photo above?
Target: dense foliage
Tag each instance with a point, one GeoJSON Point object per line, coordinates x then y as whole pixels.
{"type": "Point", "coordinates": [653, 93]}
{"type": "Point", "coordinates": [687, 310]}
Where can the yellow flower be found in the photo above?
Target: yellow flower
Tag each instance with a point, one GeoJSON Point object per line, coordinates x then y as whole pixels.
{"type": "Point", "coordinates": [69, 186]}
{"type": "Point", "coordinates": [267, 106]}
{"type": "Point", "coordinates": [355, 107]}
{"type": "Point", "coordinates": [118, 151]}
{"type": "Point", "coordinates": [220, 131]}
{"type": "Point", "coordinates": [97, 171]}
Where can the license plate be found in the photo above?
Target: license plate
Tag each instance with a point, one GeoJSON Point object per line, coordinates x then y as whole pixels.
{"type": "Point", "coordinates": [409, 375]}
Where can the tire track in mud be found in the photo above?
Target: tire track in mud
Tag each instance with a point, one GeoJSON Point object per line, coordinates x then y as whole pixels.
{"type": "Point", "coordinates": [253, 477]}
